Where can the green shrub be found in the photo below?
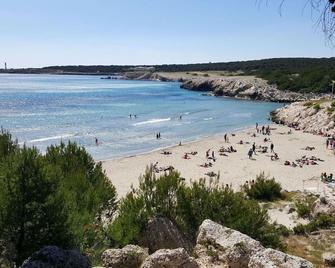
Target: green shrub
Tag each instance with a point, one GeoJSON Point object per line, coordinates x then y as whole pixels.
{"type": "Point", "coordinates": [49, 199]}
{"type": "Point", "coordinates": [317, 106]}
{"type": "Point", "coordinates": [263, 189]}
{"type": "Point", "coordinates": [321, 222]}
{"type": "Point", "coordinates": [332, 104]}
{"type": "Point", "coordinates": [189, 206]}
{"type": "Point", "coordinates": [308, 104]}
{"type": "Point", "coordinates": [304, 206]}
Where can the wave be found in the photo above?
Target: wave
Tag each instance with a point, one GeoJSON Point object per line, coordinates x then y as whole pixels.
{"type": "Point", "coordinates": [52, 138]}
{"type": "Point", "coordinates": [152, 121]}
{"type": "Point", "coordinates": [208, 118]}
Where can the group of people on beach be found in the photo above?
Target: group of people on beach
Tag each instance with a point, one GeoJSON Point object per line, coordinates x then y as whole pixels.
{"type": "Point", "coordinates": [325, 178]}
{"type": "Point", "coordinates": [263, 130]}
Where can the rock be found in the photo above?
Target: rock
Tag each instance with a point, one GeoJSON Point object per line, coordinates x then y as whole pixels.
{"type": "Point", "coordinates": [271, 258]}
{"type": "Point", "coordinates": [324, 205]}
{"type": "Point", "coordinates": [129, 256]}
{"type": "Point", "coordinates": [328, 259]}
{"type": "Point", "coordinates": [242, 88]}
{"type": "Point", "coordinates": [7, 254]}
{"type": "Point", "coordinates": [52, 256]}
{"type": "Point", "coordinates": [162, 233]}
{"type": "Point", "coordinates": [304, 116]}
{"type": "Point", "coordinates": [170, 258]}
{"type": "Point", "coordinates": [223, 246]}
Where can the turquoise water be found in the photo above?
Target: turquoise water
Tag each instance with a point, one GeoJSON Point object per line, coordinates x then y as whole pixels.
{"type": "Point", "coordinates": [44, 109]}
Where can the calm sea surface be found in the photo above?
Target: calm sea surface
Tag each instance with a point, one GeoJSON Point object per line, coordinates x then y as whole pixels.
{"type": "Point", "coordinates": [44, 109]}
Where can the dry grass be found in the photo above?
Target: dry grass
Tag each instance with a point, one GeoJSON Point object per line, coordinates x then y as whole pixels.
{"type": "Point", "coordinates": [311, 247]}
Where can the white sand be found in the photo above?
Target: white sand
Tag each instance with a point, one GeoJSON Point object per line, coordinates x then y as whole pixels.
{"type": "Point", "coordinates": [235, 168]}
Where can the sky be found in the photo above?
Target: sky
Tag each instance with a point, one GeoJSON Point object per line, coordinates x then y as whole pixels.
{"type": "Point", "coordinates": [38, 33]}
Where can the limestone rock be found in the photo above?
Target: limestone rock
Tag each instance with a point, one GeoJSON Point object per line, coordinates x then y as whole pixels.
{"type": "Point", "coordinates": [324, 205]}
{"type": "Point", "coordinates": [52, 256]}
{"type": "Point", "coordinates": [170, 258]}
{"type": "Point", "coordinates": [223, 246]}
{"type": "Point", "coordinates": [162, 233]}
{"type": "Point", "coordinates": [129, 256]}
{"type": "Point", "coordinates": [270, 258]}
{"type": "Point", "coordinates": [306, 117]}
{"type": "Point", "coordinates": [242, 88]}
{"type": "Point", "coordinates": [328, 259]}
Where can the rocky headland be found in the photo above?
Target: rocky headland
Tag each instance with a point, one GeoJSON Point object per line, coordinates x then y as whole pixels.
{"type": "Point", "coordinates": [316, 117]}
{"type": "Point", "coordinates": [249, 88]}
{"type": "Point", "coordinates": [240, 87]}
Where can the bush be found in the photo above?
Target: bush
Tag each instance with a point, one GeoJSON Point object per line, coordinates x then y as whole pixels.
{"type": "Point", "coordinates": [263, 189]}
{"type": "Point", "coordinates": [49, 199]}
{"type": "Point", "coordinates": [305, 206]}
{"type": "Point", "coordinates": [189, 206]}
{"type": "Point", "coordinates": [317, 106]}
{"type": "Point", "coordinates": [323, 221]}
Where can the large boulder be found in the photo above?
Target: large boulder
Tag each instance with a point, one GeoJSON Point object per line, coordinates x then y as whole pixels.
{"type": "Point", "coordinates": [130, 256]}
{"type": "Point", "coordinates": [324, 205]}
{"type": "Point", "coordinates": [162, 233]}
{"type": "Point", "coordinates": [170, 258]}
{"type": "Point", "coordinates": [271, 258]}
{"type": "Point", "coordinates": [55, 257]}
{"type": "Point", "coordinates": [218, 245]}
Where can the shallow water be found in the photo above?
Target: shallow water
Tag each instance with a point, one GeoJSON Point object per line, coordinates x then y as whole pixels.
{"type": "Point", "coordinates": [44, 109]}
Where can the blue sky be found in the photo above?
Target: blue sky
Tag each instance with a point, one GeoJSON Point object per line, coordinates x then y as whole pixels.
{"type": "Point", "coordinates": [38, 33]}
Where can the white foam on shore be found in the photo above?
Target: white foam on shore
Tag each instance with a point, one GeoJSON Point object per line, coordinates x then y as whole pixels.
{"type": "Point", "coordinates": [152, 121]}
{"type": "Point", "coordinates": [52, 138]}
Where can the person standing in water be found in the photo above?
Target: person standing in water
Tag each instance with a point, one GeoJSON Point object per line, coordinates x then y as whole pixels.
{"type": "Point", "coordinates": [96, 141]}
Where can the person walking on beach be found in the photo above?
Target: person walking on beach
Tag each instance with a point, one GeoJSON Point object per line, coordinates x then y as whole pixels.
{"type": "Point", "coordinates": [257, 127]}
{"type": "Point", "coordinates": [271, 147]}
{"type": "Point", "coordinates": [254, 148]}
{"type": "Point", "coordinates": [225, 137]}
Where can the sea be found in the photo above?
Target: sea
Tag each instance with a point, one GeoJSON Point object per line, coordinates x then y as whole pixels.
{"type": "Point", "coordinates": [40, 110]}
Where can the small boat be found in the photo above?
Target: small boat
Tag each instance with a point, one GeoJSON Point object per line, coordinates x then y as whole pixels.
{"type": "Point", "coordinates": [107, 77]}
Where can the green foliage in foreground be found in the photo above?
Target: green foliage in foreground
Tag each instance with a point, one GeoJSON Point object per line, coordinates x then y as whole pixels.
{"type": "Point", "coordinates": [263, 189]}
{"type": "Point", "coordinates": [320, 222]}
{"type": "Point", "coordinates": [188, 206]}
{"type": "Point", "coordinates": [49, 199]}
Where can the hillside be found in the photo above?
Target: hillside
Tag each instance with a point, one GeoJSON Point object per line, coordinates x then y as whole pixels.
{"type": "Point", "coordinates": [294, 74]}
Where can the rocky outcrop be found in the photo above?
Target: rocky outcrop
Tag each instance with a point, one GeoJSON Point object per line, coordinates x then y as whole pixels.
{"type": "Point", "coordinates": [250, 88]}
{"type": "Point", "coordinates": [130, 256]}
{"type": "Point", "coordinates": [170, 258]}
{"type": "Point", "coordinates": [218, 246]}
{"type": "Point", "coordinates": [162, 233]}
{"type": "Point", "coordinates": [313, 116]}
{"type": "Point", "coordinates": [270, 258]}
{"type": "Point", "coordinates": [52, 256]}
{"type": "Point", "coordinates": [324, 205]}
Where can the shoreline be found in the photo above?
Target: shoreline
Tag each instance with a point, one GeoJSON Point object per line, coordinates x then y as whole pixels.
{"type": "Point", "coordinates": [218, 135]}
{"type": "Point", "coordinates": [235, 168]}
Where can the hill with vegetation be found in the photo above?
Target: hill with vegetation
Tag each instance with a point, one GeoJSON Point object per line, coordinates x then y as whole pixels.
{"type": "Point", "coordinates": [294, 74]}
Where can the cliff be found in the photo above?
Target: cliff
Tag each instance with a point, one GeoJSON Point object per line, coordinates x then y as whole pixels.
{"type": "Point", "coordinates": [241, 87]}
{"type": "Point", "coordinates": [317, 117]}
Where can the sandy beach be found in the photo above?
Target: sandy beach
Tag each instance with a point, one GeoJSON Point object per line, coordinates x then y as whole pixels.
{"type": "Point", "coordinates": [235, 168]}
